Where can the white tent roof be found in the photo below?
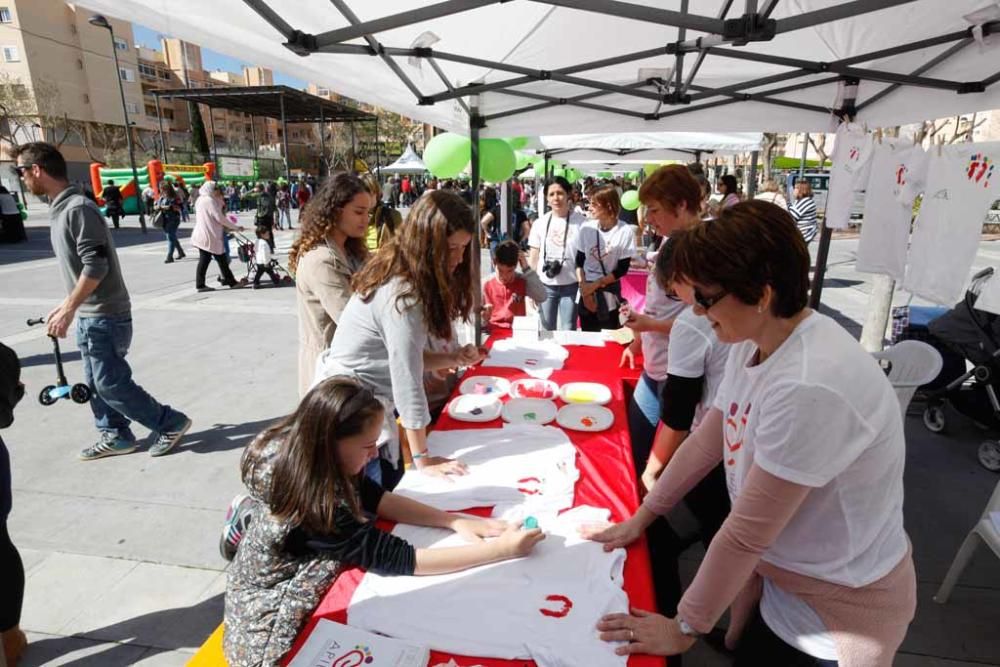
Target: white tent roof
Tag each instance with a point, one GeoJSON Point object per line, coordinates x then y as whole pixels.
{"type": "Point", "coordinates": [543, 44]}
{"type": "Point", "coordinates": [647, 147]}
{"type": "Point", "coordinates": [408, 163]}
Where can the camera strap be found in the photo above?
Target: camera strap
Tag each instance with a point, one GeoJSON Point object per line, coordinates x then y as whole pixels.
{"type": "Point", "coordinates": [545, 241]}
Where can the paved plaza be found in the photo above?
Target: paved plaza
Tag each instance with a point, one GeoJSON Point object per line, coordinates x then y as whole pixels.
{"type": "Point", "coordinates": [121, 554]}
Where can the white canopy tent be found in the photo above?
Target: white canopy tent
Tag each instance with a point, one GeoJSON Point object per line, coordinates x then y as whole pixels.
{"type": "Point", "coordinates": [408, 163]}
{"type": "Point", "coordinates": [551, 66]}
{"type": "Point", "coordinates": [648, 146]}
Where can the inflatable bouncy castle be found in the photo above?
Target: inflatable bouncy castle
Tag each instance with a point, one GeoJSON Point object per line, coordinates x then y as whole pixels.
{"type": "Point", "coordinates": [154, 173]}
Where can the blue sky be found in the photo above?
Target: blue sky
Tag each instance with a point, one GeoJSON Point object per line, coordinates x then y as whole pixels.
{"type": "Point", "coordinates": [210, 59]}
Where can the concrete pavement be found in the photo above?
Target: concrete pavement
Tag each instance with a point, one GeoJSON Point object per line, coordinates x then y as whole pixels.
{"type": "Point", "coordinates": [121, 554]}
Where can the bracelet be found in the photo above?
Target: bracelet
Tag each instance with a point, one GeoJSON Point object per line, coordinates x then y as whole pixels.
{"type": "Point", "coordinates": [417, 457]}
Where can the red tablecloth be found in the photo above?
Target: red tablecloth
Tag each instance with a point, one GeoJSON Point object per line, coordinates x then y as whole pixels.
{"type": "Point", "coordinates": [607, 479]}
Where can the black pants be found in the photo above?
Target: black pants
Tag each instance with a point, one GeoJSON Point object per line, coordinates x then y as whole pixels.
{"type": "Point", "coordinates": [262, 269]}
{"type": "Point", "coordinates": [11, 581]}
{"type": "Point", "coordinates": [593, 322]}
{"type": "Point", "coordinates": [760, 646]}
{"type": "Point", "coordinates": [204, 259]}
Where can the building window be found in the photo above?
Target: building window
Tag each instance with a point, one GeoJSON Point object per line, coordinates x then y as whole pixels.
{"type": "Point", "coordinates": [132, 107]}
{"type": "Point", "coordinates": [146, 70]}
{"type": "Point", "coordinates": [5, 16]}
{"type": "Point", "coordinates": [121, 44]}
{"type": "Point", "coordinates": [11, 54]}
{"type": "Point", "coordinates": [126, 74]}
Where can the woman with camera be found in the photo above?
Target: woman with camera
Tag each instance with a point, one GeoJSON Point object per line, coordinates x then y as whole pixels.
{"type": "Point", "coordinates": [551, 243]}
{"type": "Point", "coordinates": [604, 250]}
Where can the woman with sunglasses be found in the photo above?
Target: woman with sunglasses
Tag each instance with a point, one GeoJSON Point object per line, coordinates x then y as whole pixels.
{"type": "Point", "coordinates": [813, 557]}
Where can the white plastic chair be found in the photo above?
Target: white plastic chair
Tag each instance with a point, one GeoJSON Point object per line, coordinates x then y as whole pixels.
{"type": "Point", "coordinates": [984, 531]}
{"type": "Point", "coordinates": [914, 364]}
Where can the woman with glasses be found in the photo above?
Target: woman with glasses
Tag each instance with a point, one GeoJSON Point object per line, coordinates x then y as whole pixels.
{"type": "Point", "coordinates": [813, 557]}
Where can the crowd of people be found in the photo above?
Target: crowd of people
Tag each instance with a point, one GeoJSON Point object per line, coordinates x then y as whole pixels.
{"type": "Point", "coordinates": [765, 418]}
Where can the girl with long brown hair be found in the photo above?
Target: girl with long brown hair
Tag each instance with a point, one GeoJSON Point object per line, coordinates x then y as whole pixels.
{"type": "Point", "coordinates": [328, 252]}
{"type": "Point", "coordinates": [309, 522]}
{"type": "Point", "coordinates": [416, 285]}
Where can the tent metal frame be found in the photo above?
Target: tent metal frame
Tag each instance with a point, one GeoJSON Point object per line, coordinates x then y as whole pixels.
{"type": "Point", "coordinates": [293, 106]}
{"type": "Point", "coordinates": [681, 94]}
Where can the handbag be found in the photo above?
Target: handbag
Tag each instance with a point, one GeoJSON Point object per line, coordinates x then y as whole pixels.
{"type": "Point", "coordinates": [157, 220]}
{"type": "Point", "coordinates": [614, 290]}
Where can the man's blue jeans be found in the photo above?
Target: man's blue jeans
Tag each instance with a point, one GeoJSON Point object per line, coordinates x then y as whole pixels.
{"type": "Point", "coordinates": [117, 400]}
{"type": "Point", "coordinates": [559, 304]}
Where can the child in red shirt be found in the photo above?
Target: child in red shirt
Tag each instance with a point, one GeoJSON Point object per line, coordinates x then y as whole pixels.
{"type": "Point", "coordinates": [504, 293]}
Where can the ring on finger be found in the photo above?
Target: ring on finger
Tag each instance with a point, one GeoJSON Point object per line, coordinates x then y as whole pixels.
{"type": "Point", "coordinates": [631, 635]}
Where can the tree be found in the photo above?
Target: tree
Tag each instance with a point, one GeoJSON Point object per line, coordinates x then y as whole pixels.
{"type": "Point", "coordinates": [198, 136]}
{"type": "Point", "coordinates": [818, 142]}
{"type": "Point", "coordinates": [947, 130]}
{"type": "Point", "coordinates": [25, 113]}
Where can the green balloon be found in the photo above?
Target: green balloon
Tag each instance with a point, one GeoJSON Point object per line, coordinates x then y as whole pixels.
{"type": "Point", "coordinates": [517, 143]}
{"type": "Point", "coordinates": [650, 167]}
{"type": "Point", "coordinates": [496, 160]}
{"type": "Point", "coordinates": [632, 175]}
{"type": "Point", "coordinates": [630, 200]}
{"type": "Point", "coordinates": [572, 175]}
{"type": "Point", "coordinates": [523, 161]}
{"type": "Point", "coordinates": [604, 174]}
{"type": "Point", "coordinates": [558, 171]}
{"type": "Point", "coordinates": [447, 154]}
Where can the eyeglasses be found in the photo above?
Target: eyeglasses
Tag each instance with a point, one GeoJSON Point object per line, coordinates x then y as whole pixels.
{"type": "Point", "coordinates": [707, 302]}
{"type": "Point", "coordinates": [19, 169]}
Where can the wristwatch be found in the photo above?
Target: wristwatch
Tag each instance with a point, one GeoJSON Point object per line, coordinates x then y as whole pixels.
{"type": "Point", "coordinates": [686, 629]}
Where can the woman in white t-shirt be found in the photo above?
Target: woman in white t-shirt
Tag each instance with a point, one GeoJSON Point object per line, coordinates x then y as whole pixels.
{"type": "Point", "coordinates": [672, 198]}
{"type": "Point", "coordinates": [604, 249]}
{"type": "Point", "coordinates": [813, 557]}
{"type": "Point", "coordinates": [552, 242]}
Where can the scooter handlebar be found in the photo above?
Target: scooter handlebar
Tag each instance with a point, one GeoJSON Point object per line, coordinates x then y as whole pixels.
{"type": "Point", "coordinates": [33, 322]}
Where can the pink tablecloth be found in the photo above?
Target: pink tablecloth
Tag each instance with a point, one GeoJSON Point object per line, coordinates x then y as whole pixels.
{"type": "Point", "coordinates": [634, 288]}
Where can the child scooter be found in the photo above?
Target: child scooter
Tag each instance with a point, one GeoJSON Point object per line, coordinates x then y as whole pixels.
{"type": "Point", "coordinates": [79, 392]}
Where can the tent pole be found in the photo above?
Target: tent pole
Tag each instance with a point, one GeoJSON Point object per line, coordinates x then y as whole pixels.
{"type": "Point", "coordinates": [322, 144]}
{"type": "Point", "coordinates": [474, 123]}
{"type": "Point", "coordinates": [354, 156]}
{"type": "Point", "coordinates": [253, 138]}
{"type": "Point", "coordinates": [215, 139]}
{"type": "Point", "coordinates": [545, 179]}
{"type": "Point", "coordinates": [752, 179]}
{"type": "Point", "coordinates": [823, 249]}
{"type": "Point", "coordinates": [159, 121]}
{"type": "Point", "coordinates": [378, 152]}
{"type": "Point", "coordinates": [284, 139]}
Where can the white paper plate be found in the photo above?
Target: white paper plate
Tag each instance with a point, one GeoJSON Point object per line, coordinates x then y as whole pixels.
{"type": "Point", "coordinates": [534, 388]}
{"type": "Point", "coordinates": [485, 385]}
{"type": "Point", "coordinates": [582, 417]}
{"type": "Point", "coordinates": [475, 407]}
{"type": "Point", "coordinates": [585, 392]}
{"type": "Point", "coordinates": [529, 411]}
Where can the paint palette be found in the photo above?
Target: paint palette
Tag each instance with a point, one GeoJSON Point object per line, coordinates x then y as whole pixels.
{"type": "Point", "coordinates": [585, 392]}
{"type": "Point", "coordinates": [528, 411]}
{"type": "Point", "coordinates": [534, 388]}
{"type": "Point", "coordinates": [475, 407]}
{"type": "Point", "coordinates": [585, 417]}
{"type": "Point", "coordinates": [485, 385]}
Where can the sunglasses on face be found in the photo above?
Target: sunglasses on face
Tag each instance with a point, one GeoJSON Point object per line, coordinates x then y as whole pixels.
{"type": "Point", "coordinates": [707, 302]}
{"type": "Point", "coordinates": [19, 169]}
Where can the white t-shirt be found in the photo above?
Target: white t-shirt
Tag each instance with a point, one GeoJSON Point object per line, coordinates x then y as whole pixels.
{"type": "Point", "coordinates": [888, 208]}
{"type": "Point", "coordinates": [851, 157]}
{"type": "Point", "coordinates": [552, 228]}
{"type": "Point", "coordinates": [543, 607]}
{"type": "Point", "coordinates": [695, 351]}
{"type": "Point", "coordinates": [263, 252]}
{"type": "Point", "coordinates": [658, 306]}
{"type": "Point", "coordinates": [962, 182]}
{"type": "Point", "coordinates": [821, 413]}
{"type": "Point", "coordinates": [609, 247]}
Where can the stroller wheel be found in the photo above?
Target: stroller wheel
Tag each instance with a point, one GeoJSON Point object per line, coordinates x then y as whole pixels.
{"type": "Point", "coordinates": [989, 455]}
{"type": "Point", "coordinates": [45, 396]}
{"type": "Point", "coordinates": [934, 418]}
{"type": "Point", "coordinates": [80, 393]}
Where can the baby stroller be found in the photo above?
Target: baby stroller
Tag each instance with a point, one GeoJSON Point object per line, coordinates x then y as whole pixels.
{"type": "Point", "coordinates": [247, 252]}
{"type": "Point", "coordinates": [965, 333]}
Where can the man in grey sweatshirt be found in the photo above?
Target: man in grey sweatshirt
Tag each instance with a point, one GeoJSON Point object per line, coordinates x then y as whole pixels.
{"type": "Point", "coordinates": [89, 266]}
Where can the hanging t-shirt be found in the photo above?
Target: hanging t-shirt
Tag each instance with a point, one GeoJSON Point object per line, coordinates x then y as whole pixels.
{"type": "Point", "coordinates": [518, 464]}
{"type": "Point", "coordinates": [658, 306]}
{"type": "Point", "coordinates": [695, 351]}
{"type": "Point", "coordinates": [962, 182]}
{"type": "Point", "coordinates": [604, 247]}
{"type": "Point", "coordinates": [552, 230]}
{"type": "Point", "coordinates": [851, 157]}
{"type": "Point", "coordinates": [543, 607]}
{"type": "Point", "coordinates": [885, 232]}
{"type": "Point", "coordinates": [820, 412]}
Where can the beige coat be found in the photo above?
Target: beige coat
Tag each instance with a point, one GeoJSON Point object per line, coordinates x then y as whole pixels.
{"type": "Point", "coordinates": [323, 286]}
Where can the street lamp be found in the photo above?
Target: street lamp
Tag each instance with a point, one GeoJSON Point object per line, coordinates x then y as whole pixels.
{"type": "Point", "coordinates": [101, 22]}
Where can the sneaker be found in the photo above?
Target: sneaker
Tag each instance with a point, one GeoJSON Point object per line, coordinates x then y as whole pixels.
{"type": "Point", "coordinates": [166, 440]}
{"type": "Point", "coordinates": [109, 444]}
{"type": "Point", "coordinates": [237, 521]}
